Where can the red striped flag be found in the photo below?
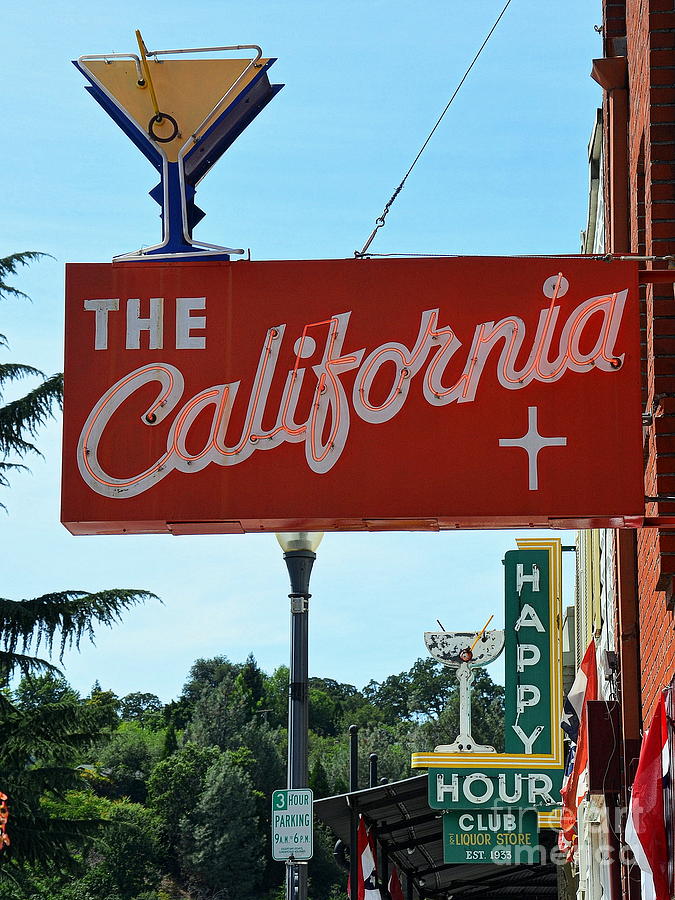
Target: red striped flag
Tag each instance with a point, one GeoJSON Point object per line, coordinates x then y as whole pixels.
{"type": "Point", "coordinates": [395, 889]}
{"type": "Point", "coordinates": [585, 688]}
{"type": "Point", "coordinates": [646, 823]}
{"type": "Point", "coordinates": [367, 873]}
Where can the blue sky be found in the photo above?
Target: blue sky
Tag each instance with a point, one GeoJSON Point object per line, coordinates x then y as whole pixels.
{"type": "Point", "coordinates": [506, 173]}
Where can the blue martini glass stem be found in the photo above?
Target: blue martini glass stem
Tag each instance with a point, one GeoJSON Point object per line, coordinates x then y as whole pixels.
{"type": "Point", "coordinates": [173, 202]}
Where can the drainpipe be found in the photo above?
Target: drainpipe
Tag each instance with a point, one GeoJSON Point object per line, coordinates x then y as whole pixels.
{"type": "Point", "coordinates": [629, 679]}
{"type": "Point", "coordinates": [611, 73]}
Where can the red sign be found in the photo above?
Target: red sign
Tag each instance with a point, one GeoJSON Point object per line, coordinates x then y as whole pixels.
{"type": "Point", "coordinates": [351, 394]}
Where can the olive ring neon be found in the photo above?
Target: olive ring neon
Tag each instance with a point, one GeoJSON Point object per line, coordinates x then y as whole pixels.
{"type": "Point", "coordinates": [156, 120]}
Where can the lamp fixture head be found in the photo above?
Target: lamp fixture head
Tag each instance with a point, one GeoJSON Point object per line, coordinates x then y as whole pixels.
{"type": "Point", "coordinates": [299, 540]}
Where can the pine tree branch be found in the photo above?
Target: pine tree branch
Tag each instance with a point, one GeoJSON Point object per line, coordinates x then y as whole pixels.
{"type": "Point", "coordinates": [9, 266]}
{"type": "Point", "coordinates": [14, 371]}
{"type": "Point", "coordinates": [4, 466]}
{"type": "Point", "coordinates": [27, 665]}
{"type": "Point", "coordinates": [47, 842]}
{"type": "Point", "coordinates": [54, 721]}
{"type": "Point", "coordinates": [27, 414]}
{"type": "Point", "coordinates": [4, 480]}
{"type": "Point", "coordinates": [26, 624]}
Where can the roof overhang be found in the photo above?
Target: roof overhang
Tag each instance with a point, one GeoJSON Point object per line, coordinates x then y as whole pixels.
{"type": "Point", "coordinates": [410, 834]}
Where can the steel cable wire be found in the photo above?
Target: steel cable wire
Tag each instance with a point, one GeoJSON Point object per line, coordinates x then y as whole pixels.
{"type": "Point", "coordinates": [379, 222]}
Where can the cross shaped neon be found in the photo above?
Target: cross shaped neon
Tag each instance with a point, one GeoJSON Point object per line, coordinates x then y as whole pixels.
{"type": "Point", "coordinates": [532, 442]}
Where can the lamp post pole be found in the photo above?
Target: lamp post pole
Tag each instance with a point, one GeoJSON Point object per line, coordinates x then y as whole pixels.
{"type": "Point", "coordinates": [299, 554]}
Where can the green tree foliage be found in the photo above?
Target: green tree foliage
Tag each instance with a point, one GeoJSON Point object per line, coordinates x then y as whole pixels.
{"type": "Point", "coordinates": [37, 744]}
{"type": "Point", "coordinates": [209, 798]}
{"type": "Point", "coordinates": [140, 707]}
{"type": "Point", "coordinates": [428, 693]}
{"type": "Point", "coordinates": [263, 764]}
{"type": "Point", "coordinates": [39, 740]}
{"type": "Point", "coordinates": [431, 686]}
{"type": "Point", "coordinates": [127, 758]}
{"type": "Point", "coordinates": [177, 713]}
{"type": "Point", "coordinates": [323, 712]}
{"type": "Point", "coordinates": [60, 619]}
{"type": "Point", "coordinates": [34, 691]}
{"type": "Point", "coordinates": [224, 698]}
{"type": "Point", "coordinates": [392, 743]}
{"type": "Point", "coordinates": [125, 859]}
{"type": "Point", "coordinates": [267, 768]}
{"type": "Point", "coordinates": [275, 699]}
{"type": "Point", "coordinates": [349, 701]}
{"type": "Point", "coordinates": [219, 716]}
{"type": "Point", "coordinates": [170, 741]}
{"type": "Point", "coordinates": [174, 787]}
{"type": "Point", "coordinates": [391, 697]}
{"type": "Point", "coordinates": [20, 419]}
{"type": "Point", "coordinates": [122, 862]}
{"type": "Point", "coordinates": [487, 716]}
{"type": "Point", "coordinates": [218, 701]}
{"type": "Point", "coordinates": [104, 707]}
{"type": "Point", "coordinates": [251, 682]}
{"type": "Point", "coordinates": [146, 709]}
{"type": "Point", "coordinates": [324, 873]}
{"type": "Point", "coordinates": [226, 715]}
{"type": "Point", "coordinates": [222, 847]}
{"type": "Point", "coordinates": [318, 780]}
{"type": "Point", "coordinates": [206, 675]}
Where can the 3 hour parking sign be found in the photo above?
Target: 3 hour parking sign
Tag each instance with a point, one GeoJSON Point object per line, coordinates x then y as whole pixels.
{"type": "Point", "coordinates": [292, 824]}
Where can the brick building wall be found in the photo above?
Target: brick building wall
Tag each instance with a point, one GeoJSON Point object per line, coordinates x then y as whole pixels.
{"type": "Point", "coordinates": [644, 32]}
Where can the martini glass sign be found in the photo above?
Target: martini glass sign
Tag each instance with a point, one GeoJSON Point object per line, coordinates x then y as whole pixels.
{"type": "Point", "coordinates": [182, 114]}
{"type": "Point", "coordinates": [465, 651]}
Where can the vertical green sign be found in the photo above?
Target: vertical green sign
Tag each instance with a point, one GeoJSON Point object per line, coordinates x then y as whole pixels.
{"type": "Point", "coordinates": [528, 624]}
{"type": "Point", "coordinates": [528, 774]}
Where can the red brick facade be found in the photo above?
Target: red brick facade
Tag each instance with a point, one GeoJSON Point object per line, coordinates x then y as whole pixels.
{"type": "Point", "coordinates": [644, 32]}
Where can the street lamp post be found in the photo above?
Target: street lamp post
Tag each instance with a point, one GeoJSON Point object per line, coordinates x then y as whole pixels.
{"type": "Point", "coordinates": [299, 554]}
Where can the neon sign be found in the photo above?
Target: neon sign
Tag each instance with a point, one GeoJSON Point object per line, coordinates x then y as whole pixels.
{"type": "Point", "coordinates": [336, 383]}
{"type": "Point", "coordinates": [182, 110]}
{"type": "Point", "coordinates": [528, 774]}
